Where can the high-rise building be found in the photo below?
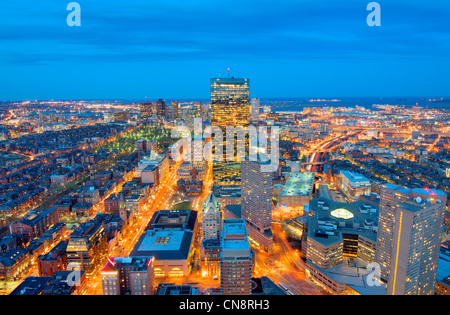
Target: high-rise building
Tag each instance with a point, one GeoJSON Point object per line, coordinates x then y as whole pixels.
{"type": "Point", "coordinates": [256, 190]}
{"type": "Point", "coordinates": [146, 110]}
{"type": "Point", "coordinates": [230, 102]}
{"type": "Point", "coordinates": [176, 109]}
{"type": "Point", "coordinates": [211, 219]}
{"type": "Point", "coordinates": [254, 105]}
{"type": "Point", "coordinates": [236, 259]}
{"type": "Point", "coordinates": [128, 276]}
{"type": "Point", "coordinates": [161, 108]}
{"type": "Point", "coordinates": [230, 106]}
{"type": "Point", "coordinates": [409, 236]}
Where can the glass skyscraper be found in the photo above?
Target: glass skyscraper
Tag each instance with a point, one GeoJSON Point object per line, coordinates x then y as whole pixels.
{"type": "Point", "coordinates": [230, 106]}
{"type": "Point", "coordinates": [230, 102]}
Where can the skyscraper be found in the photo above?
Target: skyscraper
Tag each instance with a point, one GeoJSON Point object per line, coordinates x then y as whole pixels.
{"type": "Point", "coordinates": [409, 236]}
{"type": "Point", "coordinates": [256, 202]}
{"type": "Point", "coordinates": [230, 102]}
{"type": "Point", "coordinates": [254, 105]}
{"type": "Point", "coordinates": [161, 108]}
{"type": "Point", "coordinates": [176, 109]}
{"type": "Point", "coordinates": [230, 106]}
{"type": "Point", "coordinates": [235, 259]}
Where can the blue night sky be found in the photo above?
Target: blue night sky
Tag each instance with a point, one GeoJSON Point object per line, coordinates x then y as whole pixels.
{"type": "Point", "coordinates": [130, 49]}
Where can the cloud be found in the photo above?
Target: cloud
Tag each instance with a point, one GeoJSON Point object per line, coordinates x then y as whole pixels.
{"type": "Point", "coordinates": [202, 32]}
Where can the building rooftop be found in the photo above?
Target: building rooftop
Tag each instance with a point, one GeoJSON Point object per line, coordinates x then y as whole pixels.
{"type": "Point", "coordinates": [333, 218]}
{"type": "Point", "coordinates": [355, 276]}
{"type": "Point", "coordinates": [173, 219]}
{"type": "Point", "coordinates": [164, 245]}
{"type": "Point", "coordinates": [172, 289]}
{"type": "Point", "coordinates": [265, 286]}
{"type": "Point", "coordinates": [354, 177]}
{"type": "Point", "coordinates": [234, 234]}
{"type": "Point", "coordinates": [298, 184]}
{"type": "Point", "coordinates": [133, 263]}
{"type": "Point", "coordinates": [31, 286]}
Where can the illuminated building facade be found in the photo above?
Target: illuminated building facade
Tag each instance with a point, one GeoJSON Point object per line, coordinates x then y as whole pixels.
{"type": "Point", "coordinates": [254, 105]}
{"type": "Point", "coordinates": [161, 108]}
{"type": "Point", "coordinates": [338, 234]}
{"type": "Point", "coordinates": [153, 159]}
{"type": "Point", "coordinates": [230, 106]}
{"type": "Point", "coordinates": [211, 219]}
{"type": "Point", "coordinates": [230, 102]}
{"type": "Point", "coordinates": [146, 110]}
{"type": "Point", "coordinates": [212, 229]}
{"type": "Point", "coordinates": [172, 250]}
{"type": "Point", "coordinates": [409, 238]}
{"type": "Point", "coordinates": [87, 247]}
{"type": "Point", "coordinates": [353, 184]}
{"type": "Point", "coordinates": [128, 276]}
{"type": "Point", "coordinates": [176, 109]}
{"type": "Point", "coordinates": [256, 204]}
{"type": "Point", "coordinates": [170, 240]}
{"type": "Point", "coordinates": [236, 259]}
{"type": "Point", "coordinates": [121, 117]}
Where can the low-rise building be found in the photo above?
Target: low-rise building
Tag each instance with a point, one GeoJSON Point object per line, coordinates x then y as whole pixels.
{"type": "Point", "coordinates": [353, 184]}
{"type": "Point", "coordinates": [14, 263]}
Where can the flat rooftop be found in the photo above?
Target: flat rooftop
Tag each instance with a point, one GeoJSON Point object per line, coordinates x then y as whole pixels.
{"type": "Point", "coordinates": [298, 184]}
{"type": "Point", "coordinates": [173, 219]}
{"type": "Point", "coordinates": [329, 212]}
{"type": "Point", "coordinates": [354, 177]}
{"type": "Point", "coordinates": [355, 276]}
{"type": "Point", "coordinates": [164, 245]}
{"type": "Point", "coordinates": [235, 234]}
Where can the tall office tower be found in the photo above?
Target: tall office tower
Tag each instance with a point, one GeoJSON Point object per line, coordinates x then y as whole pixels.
{"type": "Point", "coordinates": [161, 108]}
{"type": "Point", "coordinates": [235, 259]}
{"type": "Point", "coordinates": [176, 109]}
{"type": "Point", "coordinates": [211, 219]}
{"type": "Point", "coordinates": [254, 105]}
{"type": "Point", "coordinates": [230, 102]}
{"type": "Point", "coordinates": [128, 276]}
{"type": "Point", "coordinates": [230, 106]}
{"type": "Point", "coordinates": [146, 110]}
{"type": "Point", "coordinates": [212, 229]}
{"type": "Point", "coordinates": [256, 204]}
{"type": "Point", "coordinates": [409, 237]}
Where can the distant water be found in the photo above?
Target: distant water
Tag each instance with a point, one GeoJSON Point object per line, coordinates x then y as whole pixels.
{"type": "Point", "coordinates": [297, 104]}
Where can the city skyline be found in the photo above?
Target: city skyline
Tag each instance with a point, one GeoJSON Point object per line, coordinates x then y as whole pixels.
{"type": "Point", "coordinates": [223, 149]}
